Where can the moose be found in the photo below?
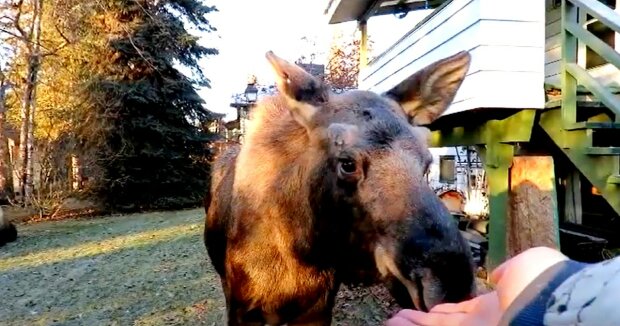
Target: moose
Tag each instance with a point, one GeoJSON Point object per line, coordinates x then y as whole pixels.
{"type": "Point", "coordinates": [329, 189]}
{"type": "Point", "coordinates": [8, 232]}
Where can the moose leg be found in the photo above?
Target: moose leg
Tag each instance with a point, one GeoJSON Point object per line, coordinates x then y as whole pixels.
{"type": "Point", "coordinates": [238, 314]}
{"type": "Point", "coordinates": [318, 318]}
{"type": "Point", "coordinates": [236, 318]}
{"type": "Point", "coordinates": [326, 321]}
{"type": "Point", "coordinates": [321, 313]}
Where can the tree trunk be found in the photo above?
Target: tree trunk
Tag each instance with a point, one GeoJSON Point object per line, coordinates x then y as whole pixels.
{"type": "Point", "coordinates": [76, 173]}
{"type": "Point", "coordinates": [29, 182]}
{"type": "Point", "coordinates": [26, 138]}
{"type": "Point", "coordinates": [5, 185]}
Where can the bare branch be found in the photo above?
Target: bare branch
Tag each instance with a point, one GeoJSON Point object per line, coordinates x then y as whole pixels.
{"type": "Point", "coordinates": [16, 24]}
{"type": "Point", "coordinates": [4, 30]}
{"type": "Point", "coordinates": [67, 40]}
{"type": "Point", "coordinates": [31, 42]}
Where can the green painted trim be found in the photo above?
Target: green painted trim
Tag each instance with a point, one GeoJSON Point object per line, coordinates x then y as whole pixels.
{"type": "Point", "coordinates": [594, 125]}
{"type": "Point", "coordinates": [601, 12]}
{"type": "Point", "coordinates": [569, 45]}
{"type": "Point", "coordinates": [497, 161]}
{"type": "Point", "coordinates": [516, 128]}
{"type": "Point", "coordinates": [593, 85]}
{"type": "Point", "coordinates": [594, 43]}
{"type": "Point", "coordinates": [575, 143]}
{"type": "Point", "coordinates": [613, 151]}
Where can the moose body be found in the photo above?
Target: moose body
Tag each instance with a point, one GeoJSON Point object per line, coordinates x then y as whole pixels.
{"type": "Point", "coordinates": [8, 232]}
{"type": "Point", "coordinates": [330, 189]}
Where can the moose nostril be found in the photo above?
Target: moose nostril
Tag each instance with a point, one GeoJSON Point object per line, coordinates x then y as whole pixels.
{"type": "Point", "coordinates": [367, 115]}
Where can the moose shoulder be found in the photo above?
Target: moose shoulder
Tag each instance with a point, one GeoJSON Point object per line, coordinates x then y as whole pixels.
{"type": "Point", "coordinates": [329, 189]}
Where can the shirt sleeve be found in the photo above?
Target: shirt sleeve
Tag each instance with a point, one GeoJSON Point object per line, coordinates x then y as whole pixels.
{"type": "Point", "coordinates": [530, 306]}
{"type": "Point", "coordinates": [589, 297]}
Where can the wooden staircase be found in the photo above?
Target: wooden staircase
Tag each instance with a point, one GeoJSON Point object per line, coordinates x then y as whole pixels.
{"type": "Point", "coordinates": [594, 149]}
{"type": "Point", "coordinates": [588, 134]}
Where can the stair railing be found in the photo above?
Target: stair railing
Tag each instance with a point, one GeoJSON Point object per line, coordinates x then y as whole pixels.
{"type": "Point", "coordinates": [574, 36]}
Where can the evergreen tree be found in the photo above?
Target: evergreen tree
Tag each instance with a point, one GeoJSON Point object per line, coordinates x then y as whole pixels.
{"type": "Point", "coordinates": [142, 118]}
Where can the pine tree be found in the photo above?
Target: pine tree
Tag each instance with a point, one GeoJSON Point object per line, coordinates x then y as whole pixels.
{"type": "Point", "coordinates": [141, 120]}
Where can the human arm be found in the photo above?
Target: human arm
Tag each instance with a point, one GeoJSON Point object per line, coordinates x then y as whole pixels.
{"type": "Point", "coordinates": [535, 267]}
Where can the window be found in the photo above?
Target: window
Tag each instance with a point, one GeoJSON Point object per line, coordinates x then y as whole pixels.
{"type": "Point", "coordinates": [447, 169]}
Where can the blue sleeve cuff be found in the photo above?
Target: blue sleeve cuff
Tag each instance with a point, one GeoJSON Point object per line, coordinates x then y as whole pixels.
{"type": "Point", "coordinates": [529, 307]}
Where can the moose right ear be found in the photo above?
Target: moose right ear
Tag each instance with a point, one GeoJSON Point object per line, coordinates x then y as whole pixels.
{"type": "Point", "coordinates": [303, 92]}
{"type": "Point", "coordinates": [426, 94]}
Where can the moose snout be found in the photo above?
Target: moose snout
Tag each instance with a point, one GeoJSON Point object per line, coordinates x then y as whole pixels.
{"type": "Point", "coordinates": [434, 260]}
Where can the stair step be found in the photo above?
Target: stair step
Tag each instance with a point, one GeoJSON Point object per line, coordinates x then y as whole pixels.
{"type": "Point", "coordinates": [603, 150]}
{"type": "Point", "coordinates": [594, 125]}
{"type": "Point", "coordinates": [614, 179]}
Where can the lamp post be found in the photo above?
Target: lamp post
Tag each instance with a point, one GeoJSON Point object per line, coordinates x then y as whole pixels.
{"type": "Point", "coordinates": [251, 95]}
{"type": "Point", "coordinates": [251, 92]}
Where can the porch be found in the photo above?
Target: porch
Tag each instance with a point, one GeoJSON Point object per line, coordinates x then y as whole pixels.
{"type": "Point", "coordinates": [520, 49]}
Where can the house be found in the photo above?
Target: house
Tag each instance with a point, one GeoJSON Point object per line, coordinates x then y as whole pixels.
{"type": "Point", "coordinates": [540, 104]}
{"type": "Point", "coordinates": [235, 129]}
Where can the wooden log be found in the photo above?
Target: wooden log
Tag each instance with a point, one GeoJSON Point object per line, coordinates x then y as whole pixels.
{"type": "Point", "coordinates": [532, 214]}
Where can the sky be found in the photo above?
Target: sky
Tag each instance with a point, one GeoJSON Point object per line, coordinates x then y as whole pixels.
{"type": "Point", "coordinates": [247, 29]}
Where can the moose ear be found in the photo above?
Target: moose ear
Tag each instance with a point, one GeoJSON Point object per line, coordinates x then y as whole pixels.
{"type": "Point", "coordinates": [304, 93]}
{"type": "Point", "coordinates": [427, 94]}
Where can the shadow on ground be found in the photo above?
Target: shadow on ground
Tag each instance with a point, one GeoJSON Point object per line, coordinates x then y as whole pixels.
{"type": "Point", "coordinates": [141, 269]}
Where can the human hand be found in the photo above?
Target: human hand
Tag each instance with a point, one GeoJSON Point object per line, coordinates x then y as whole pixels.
{"type": "Point", "coordinates": [510, 278]}
{"type": "Point", "coordinates": [479, 311]}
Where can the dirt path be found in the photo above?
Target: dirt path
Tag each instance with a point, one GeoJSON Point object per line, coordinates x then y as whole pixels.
{"type": "Point", "coordinates": [142, 269]}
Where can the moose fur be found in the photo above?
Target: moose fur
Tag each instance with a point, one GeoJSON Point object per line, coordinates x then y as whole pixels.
{"type": "Point", "coordinates": [8, 232]}
{"type": "Point", "coordinates": [330, 189]}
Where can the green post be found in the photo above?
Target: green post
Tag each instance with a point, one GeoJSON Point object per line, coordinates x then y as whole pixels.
{"type": "Point", "coordinates": [497, 161]}
{"type": "Point", "coordinates": [570, 46]}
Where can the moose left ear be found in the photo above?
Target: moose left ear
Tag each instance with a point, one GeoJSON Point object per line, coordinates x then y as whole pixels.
{"type": "Point", "coordinates": [427, 94]}
{"type": "Point", "coordinates": [303, 92]}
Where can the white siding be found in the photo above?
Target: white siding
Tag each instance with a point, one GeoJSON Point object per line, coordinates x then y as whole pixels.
{"type": "Point", "coordinates": [553, 50]}
{"type": "Point", "coordinates": [505, 38]}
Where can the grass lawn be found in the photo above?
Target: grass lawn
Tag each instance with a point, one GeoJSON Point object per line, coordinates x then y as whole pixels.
{"type": "Point", "coordinates": [141, 269]}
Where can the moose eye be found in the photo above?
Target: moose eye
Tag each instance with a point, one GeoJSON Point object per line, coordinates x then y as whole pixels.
{"type": "Point", "coordinates": [347, 166]}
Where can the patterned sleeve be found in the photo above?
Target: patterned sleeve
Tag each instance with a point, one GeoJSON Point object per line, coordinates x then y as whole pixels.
{"type": "Point", "coordinates": [588, 297]}
{"type": "Point", "coordinates": [530, 306]}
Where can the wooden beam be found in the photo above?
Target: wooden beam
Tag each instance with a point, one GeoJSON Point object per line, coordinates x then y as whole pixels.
{"type": "Point", "coordinates": [601, 12]}
{"type": "Point", "coordinates": [515, 128]}
{"type": "Point", "coordinates": [572, 199]}
{"type": "Point", "coordinates": [594, 43]}
{"type": "Point", "coordinates": [596, 168]}
{"type": "Point", "coordinates": [570, 13]}
{"type": "Point", "coordinates": [411, 6]}
{"type": "Point", "coordinates": [363, 27]}
{"type": "Point", "coordinates": [497, 160]}
{"type": "Point", "coordinates": [533, 209]}
{"type": "Point", "coordinates": [370, 11]}
{"type": "Point", "coordinates": [601, 92]}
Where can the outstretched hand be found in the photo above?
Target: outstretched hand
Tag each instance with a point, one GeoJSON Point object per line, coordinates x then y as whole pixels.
{"type": "Point", "coordinates": [510, 278]}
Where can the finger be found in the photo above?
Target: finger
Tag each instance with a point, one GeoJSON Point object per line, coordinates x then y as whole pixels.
{"type": "Point", "coordinates": [432, 319]}
{"type": "Point", "coordinates": [447, 308]}
{"type": "Point", "coordinates": [399, 321]}
{"type": "Point", "coordinates": [465, 306]}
